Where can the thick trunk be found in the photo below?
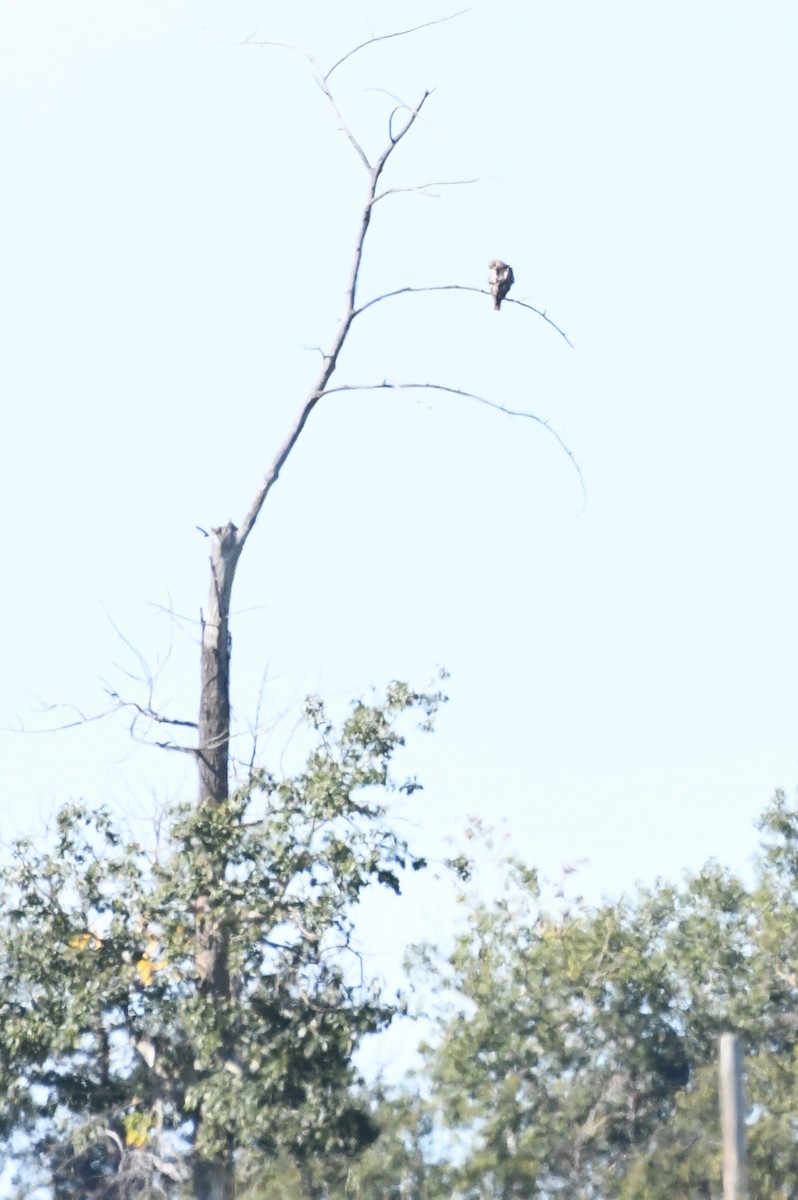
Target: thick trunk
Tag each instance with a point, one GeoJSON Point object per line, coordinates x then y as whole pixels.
{"type": "Point", "coordinates": [214, 737]}
{"type": "Point", "coordinates": [215, 1180]}
{"type": "Point", "coordinates": [214, 718]}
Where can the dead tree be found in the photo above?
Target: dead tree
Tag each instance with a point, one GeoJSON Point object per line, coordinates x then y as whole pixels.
{"type": "Point", "coordinates": [214, 1181]}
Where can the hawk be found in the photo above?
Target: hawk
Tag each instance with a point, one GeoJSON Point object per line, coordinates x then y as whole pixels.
{"type": "Point", "coordinates": [501, 279]}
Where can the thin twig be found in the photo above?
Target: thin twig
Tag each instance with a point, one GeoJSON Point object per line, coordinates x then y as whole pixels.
{"type": "Point", "coordinates": [342, 124]}
{"type": "Point", "coordinates": [453, 391]}
{"type": "Point", "coordinates": [148, 676]}
{"type": "Point", "coordinates": [541, 313]}
{"type": "Point", "coordinates": [256, 726]}
{"type": "Point", "coordinates": [192, 750]}
{"type": "Point", "coordinates": [421, 188]}
{"type": "Point", "coordinates": [386, 36]}
{"type": "Point", "coordinates": [321, 79]}
{"type": "Point", "coordinates": [149, 714]}
{"type": "Point", "coordinates": [161, 609]}
{"type": "Point", "coordinates": [80, 719]}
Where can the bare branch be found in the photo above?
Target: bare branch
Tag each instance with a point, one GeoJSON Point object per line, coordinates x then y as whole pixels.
{"type": "Point", "coordinates": [386, 37]}
{"type": "Point", "coordinates": [397, 137]}
{"type": "Point", "coordinates": [460, 287]}
{"type": "Point", "coordinates": [147, 676]}
{"type": "Point", "coordinates": [365, 220]}
{"type": "Point", "coordinates": [162, 610]}
{"type": "Point", "coordinates": [321, 79]}
{"type": "Point", "coordinates": [399, 108]}
{"type": "Point", "coordinates": [255, 729]}
{"type": "Point", "coordinates": [421, 188]}
{"type": "Point", "coordinates": [342, 125]}
{"type": "Point", "coordinates": [273, 473]}
{"type": "Point", "coordinates": [331, 358]}
{"type": "Point", "coordinates": [190, 750]}
{"type": "Point", "coordinates": [390, 95]}
{"type": "Point", "coordinates": [453, 391]}
{"type": "Point", "coordinates": [80, 719]}
{"type": "Point", "coordinates": [541, 313]}
{"type": "Point", "coordinates": [118, 703]}
{"type": "Point", "coordinates": [149, 714]}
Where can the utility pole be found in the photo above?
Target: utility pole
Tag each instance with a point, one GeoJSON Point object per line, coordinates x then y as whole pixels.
{"type": "Point", "coordinates": [732, 1117]}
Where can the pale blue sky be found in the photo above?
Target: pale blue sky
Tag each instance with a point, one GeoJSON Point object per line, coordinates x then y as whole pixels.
{"type": "Point", "coordinates": [176, 218]}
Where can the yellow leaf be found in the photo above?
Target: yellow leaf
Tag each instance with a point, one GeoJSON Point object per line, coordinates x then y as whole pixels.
{"type": "Point", "coordinates": [144, 968]}
{"type": "Point", "coordinates": [137, 1128]}
{"type": "Point", "coordinates": [87, 940]}
{"type": "Point", "coordinates": [147, 966]}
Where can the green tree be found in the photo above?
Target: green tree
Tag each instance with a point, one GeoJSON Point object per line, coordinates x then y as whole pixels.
{"type": "Point", "coordinates": [580, 1055]}
{"type": "Point", "coordinates": [119, 1067]}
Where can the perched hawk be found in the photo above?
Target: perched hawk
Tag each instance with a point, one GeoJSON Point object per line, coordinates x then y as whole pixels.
{"type": "Point", "coordinates": [501, 279]}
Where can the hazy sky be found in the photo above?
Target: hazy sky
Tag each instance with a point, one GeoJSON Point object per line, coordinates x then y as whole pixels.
{"type": "Point", "coordinates": [177, 212]}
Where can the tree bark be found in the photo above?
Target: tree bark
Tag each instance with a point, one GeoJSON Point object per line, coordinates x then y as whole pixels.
{"type": "Point", "coordinates": [214, 719]}
{"type": "Point", "coordinates": [215, 1180]}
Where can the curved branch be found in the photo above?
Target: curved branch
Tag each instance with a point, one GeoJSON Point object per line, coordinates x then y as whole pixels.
{"type": "Point", "coordinates": [399, 108]}
{"type": "Point", "coordinates": [384, 37]}
{"type": "Point", "coordinates": [461, 287]}
{"type": "Point", "coordinates": [540, 313]}
{"type": "Point", "coordinates": [115, 1138]}
{"type": "Point", "coordinates": [453, 391]}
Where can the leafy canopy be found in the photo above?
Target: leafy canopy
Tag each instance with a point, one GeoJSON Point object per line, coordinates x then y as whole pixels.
{"type": "Point", "coordinates": [118, 1065]}
{"type": "Point", "coordinates": [578, 1055]}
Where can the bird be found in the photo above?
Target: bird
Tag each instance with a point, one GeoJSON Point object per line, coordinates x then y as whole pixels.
{"type": "Point", "coordinates": [501, 279]}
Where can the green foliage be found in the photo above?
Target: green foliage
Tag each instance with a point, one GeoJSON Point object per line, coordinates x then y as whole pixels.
{"type": "Point", "coordinates": [395, 1167]}
{"type": "Point", "coordinates": [576, 1053]}
{"type": "Point", "coordinates": [580, 1056]}
{"type": "Point", "coordinates": [116, 1064]}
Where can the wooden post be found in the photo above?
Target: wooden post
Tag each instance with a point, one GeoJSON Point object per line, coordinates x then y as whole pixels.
{"type": "Point", "coordinates": [732, 1117]}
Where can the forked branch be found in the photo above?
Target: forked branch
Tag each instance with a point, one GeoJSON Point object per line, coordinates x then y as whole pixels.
{"type": "Point", "coordinates": [330, 359]}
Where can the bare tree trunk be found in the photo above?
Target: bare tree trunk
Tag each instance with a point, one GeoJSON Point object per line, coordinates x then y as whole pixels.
{"type": "Point", "coordinates": [215, 1180]}
{"type": "Point", "coordinates": [214, 742]}
{"type": "Point", "coordinates": [214, 719]}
